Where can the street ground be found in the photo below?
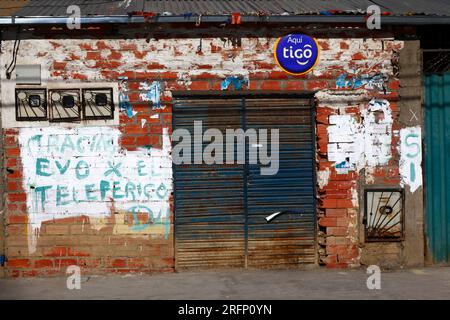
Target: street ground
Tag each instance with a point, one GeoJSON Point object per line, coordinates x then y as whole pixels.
{"type": "Point", "coordinates": [426, 283]}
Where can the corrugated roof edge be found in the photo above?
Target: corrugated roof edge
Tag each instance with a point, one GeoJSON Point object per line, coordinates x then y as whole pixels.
{"type": "Point", "coordinates": [312, 18]}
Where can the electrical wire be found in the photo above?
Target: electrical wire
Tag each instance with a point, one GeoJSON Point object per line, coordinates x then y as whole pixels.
{"type": "Point", "coordinates": [12, 65]}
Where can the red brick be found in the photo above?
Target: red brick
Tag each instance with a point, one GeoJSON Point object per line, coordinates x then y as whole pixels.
{"type": "Point", "coordinates": [313, 85]}
{"type": "Point", "coordinates": [338, 213]}
{"type": "Point", "coordinates": [343, 203]}
{"type": "Point", "coordinates": [101, 45]}
{"type": "Point", "coordinates": [115, 55]}
{"type": "Point", "coordinates": [200, 85]}
{"type": "Point", "coordinates": [14, 186]}
{"type": "Point", "coordinates": [343, 45]}
{"type": "Point", "coordinates": [328, 222]}
{"type": "Point", "coordinates": [55, 252]}
{"type": "Point", "coordinates": [10, 141]}
{"type": "Point", "coordinates": [75, 253]}
{"type": "Point", "coordinates": [18, 263]}
{"type": "Point", "coordinates": [329, 203]}
{"type": "Point", "coordinates": [79, 76]}
{"type": "Point", "coordinates": [155, 65]}
{"type": "Point", "coordinates": [152, 140]}
{"type": "Point", "coordinates": [11, 162]}
{"type": "Point", "coordinates": [59, 65]}
{"type": "Point", "coordinates": [263, 65]}
{"type": "Point", "coordinates": [59, 263]}
{"type": "Point", "coordinates": [17, 197]}
{"type": "Point", "coordinates": [128, 46]}
{"type": "Point", "coordinates": [12, 152]}
{"type": "Point", "coordinates": [43, 263]}
{"type": "Point", "coordinates": [336, 231]}
{"type": "Point", "coordinates": [118, 263]}
{"type": "Point", "coordinates": [358, 56]}
{"type": "Point", "coordinates": [294, 85]}
{"type": "Point", "coordinates": [271, 85]}
{"type": "Point", "coordinates": [93, 55]}
{"type": "Point", "coordinates": [17, 219]}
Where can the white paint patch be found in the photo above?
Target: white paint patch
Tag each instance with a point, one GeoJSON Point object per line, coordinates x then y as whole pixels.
{"type": "Point", "coordinates": [323, 176]}
{"type": "Point", "coordinates": [83, 171]}
{"type": "Point", "coordinates": [411, 157]}
{"type": "Point", "coordinates": [377, 126]}
{"type": "Point", "coordinates": [353, 145]}
{"type": "Point", "coordinates": [346, 142]}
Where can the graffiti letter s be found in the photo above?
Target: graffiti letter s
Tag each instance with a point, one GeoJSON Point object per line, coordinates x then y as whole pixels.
{"type": "Point", "coordinates": [412, 144]}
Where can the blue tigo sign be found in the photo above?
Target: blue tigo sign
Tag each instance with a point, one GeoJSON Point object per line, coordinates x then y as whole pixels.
{"type": "Point", "coordinates": [297, 53]}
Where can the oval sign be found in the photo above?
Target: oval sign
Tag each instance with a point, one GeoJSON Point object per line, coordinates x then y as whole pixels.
{"type": "Point", "coordinates": [296, 53]}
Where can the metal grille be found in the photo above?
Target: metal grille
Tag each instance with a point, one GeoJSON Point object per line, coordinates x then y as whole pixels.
{"type": "Point", "coordinates": [384, 215]}
{"type": "Point", "coordinates": [64, 105]}
{"type": "Point", "coordinates": [31, 104]}
{"type": "Point", "coordinates": [98, 104]}
{"type": "Point", "coordinates": [436, 61]}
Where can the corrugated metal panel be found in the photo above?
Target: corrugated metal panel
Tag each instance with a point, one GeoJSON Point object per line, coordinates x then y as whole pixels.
{"type": "Point", "coordinates": [289, 239]}
{"type": "Point", "coordinates": [245, 7]}
{"type": "Point", "coordinates": [220, 210]}
{"type": "Point", "coordinates": [437, 165]}
{"type": "Point", "coordinates": [209, 203]}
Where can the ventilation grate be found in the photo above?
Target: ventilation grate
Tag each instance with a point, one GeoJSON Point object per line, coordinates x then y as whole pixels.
{"type": "Point", "coordinates": [384, 214]}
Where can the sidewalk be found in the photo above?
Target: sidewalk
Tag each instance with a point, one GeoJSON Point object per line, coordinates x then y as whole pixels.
{"type": "Point", "coordinates": [427, 283]}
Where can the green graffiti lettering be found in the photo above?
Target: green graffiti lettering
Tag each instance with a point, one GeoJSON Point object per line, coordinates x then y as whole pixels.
{"type": "Point", "coordinates": [104, 187]}
{"type": "Point", "coordinates": [42, 164]}
{"type": "Point", "coordinates": [89, 189]}
{"type": "Point", "coordinates": [130, 187]}
{"type": "Point", "coordinates": [116, 188]}
{"type": "Point", "coordinates": [68, 143]}
{"type": "Point", "coordinates": [62, 169]}
{"type": "Point", "coordinates": [53, 143]}
{"type": "Point", "coordinates": [413, 144]}
{"type": "Point", "coordinates": [82, 165]}
{"type": "Point", "coordinates": [74, 195]}
{"type": "Point", "coordinates": [41, 191]}
{"type": "Point", "coordinates": [80, 140]}
{"type": "Point", "coordinates": [61, 193]}
{"type": "Point", "coordinates": [161, 192]}
{"type": "Point", "coordinates": [147, 192]}
{"type": "Point", "coordinates": [37, 138]}
{"type": "Point", "coordinates": [141, 165]}
{"type": "Point", "coordinates": [114, 169]}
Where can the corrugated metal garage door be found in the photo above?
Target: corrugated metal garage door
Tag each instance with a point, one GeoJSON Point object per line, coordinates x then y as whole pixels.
{"type": "Point", "coordinates": [437, 165]}
{"type": "Point", "coordinates": [220, 210]}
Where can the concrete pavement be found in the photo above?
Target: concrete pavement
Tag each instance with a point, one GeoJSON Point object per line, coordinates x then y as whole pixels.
{"type": "Point", "coordinates": [427, 283]}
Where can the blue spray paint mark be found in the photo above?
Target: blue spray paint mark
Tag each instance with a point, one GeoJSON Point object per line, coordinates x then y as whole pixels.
{"type": "Point", "coordinates": [2, 260]}
{"type": "Point", "coordinates": [340, 82]}
{"type": "Point", "coordinates": [236, 82]}
{"type": "Point", "coordinates": [376, 81]}
{"type": "Point", "coordinates": [157, 220]}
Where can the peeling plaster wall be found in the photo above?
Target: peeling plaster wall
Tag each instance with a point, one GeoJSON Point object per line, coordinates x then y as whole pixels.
{"type": "Point", "coordinates": [144, 76]}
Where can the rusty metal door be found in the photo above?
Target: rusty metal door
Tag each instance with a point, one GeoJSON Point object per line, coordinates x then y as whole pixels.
{"type": "Point", "coordinates": [220, 209]}
{"type": "Point", "coordinates": [289, 239]}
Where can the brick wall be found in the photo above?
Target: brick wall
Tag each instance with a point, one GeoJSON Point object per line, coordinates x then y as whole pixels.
{"type": "Point", "coordinates": [346, 80]}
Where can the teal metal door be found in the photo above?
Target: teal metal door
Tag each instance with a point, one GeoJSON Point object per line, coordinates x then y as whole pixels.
{"type": "Point", "coordinates": [437, 165]}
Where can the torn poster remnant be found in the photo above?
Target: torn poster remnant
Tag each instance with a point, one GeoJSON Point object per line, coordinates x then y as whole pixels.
{"type": "Point", "coordinates": [152, 92]}
{"type": "Point", "coordinates": [353, 145]}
